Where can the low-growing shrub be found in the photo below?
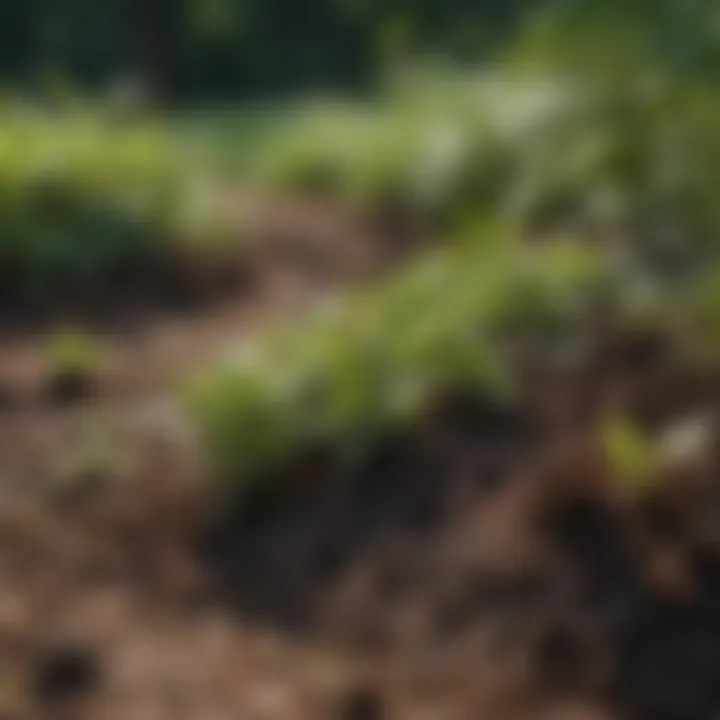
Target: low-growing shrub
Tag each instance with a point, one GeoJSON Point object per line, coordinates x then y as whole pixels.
{"type": "Point", "coordinates": [423, 155]}
{"type": "Point", "coordinates": [353, 370]}
{"type": "Point", "coordinates": [624, 157]}
{"type": "Point", "coordinates": [84, 197]}
{"type": "Point", "coordinates": [547, 146]}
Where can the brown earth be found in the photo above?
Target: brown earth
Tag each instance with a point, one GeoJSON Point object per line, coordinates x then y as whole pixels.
{"type": "Point", "coordinates": [482, 564]}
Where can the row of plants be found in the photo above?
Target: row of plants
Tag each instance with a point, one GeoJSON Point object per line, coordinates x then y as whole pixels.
{"type": "Point", "coordinates": [622, 156]}
{"type": "Point", "coordinates": [85, 195]}
{"type": "Point", "coordinates": [430, 142]}
{"type": "Point", "coordinates": [464, 318]}
{"type": "Point", "coordinates": [548, 145]}
{"type": "Point", "coordinates": [360, 366]}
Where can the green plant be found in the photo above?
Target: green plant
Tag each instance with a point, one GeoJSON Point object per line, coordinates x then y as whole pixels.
{"type": "Point", "coordinates": [632, 456]}
{"type": "Point", "coordinates": [350, 373]}
{"type": "Point", "coordinates": [416, 149]}
{"type": "Point", "coordinates": [85, 197]}
{"type": "Point", "coordinates": [614, 155]}
{"type": "Point", "coordinates": [73, 359]}
{"type": "Point", "coordinates": [554, 144]}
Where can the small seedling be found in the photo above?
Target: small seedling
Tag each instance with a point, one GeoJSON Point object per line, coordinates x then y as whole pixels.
{"type": "Point", "coordinates": [631, 455]}
{"type": "Point", "coordinates": [73, 359]}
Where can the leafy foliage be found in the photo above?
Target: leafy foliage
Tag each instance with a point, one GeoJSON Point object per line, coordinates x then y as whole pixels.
{"type": "Point", "coordinates": [83, 196]}
{"type": "Point", "coordinates": [545, 147]}
{"type": "Point", "coordinates": [633, 460]}
{"type": "Point", "coordinates": [353, 370]}
{"type": "Point", "coordinates": [622, 154]}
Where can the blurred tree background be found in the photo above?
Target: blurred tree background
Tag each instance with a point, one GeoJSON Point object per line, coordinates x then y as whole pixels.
{"type": "Point", "coordinates": [215, 48]}
{"type": "Point", "coordinates": [194, 50]}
